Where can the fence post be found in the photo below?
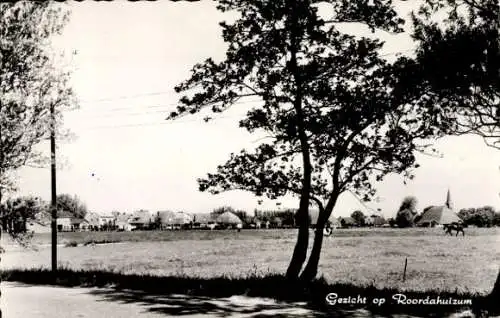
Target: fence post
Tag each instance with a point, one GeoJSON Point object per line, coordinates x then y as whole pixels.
{"type": "Point", "coordinates": [404, 272]}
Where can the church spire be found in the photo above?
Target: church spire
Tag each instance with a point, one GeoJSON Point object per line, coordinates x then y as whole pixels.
{"type": "Point", "coordinates": [448, 203]}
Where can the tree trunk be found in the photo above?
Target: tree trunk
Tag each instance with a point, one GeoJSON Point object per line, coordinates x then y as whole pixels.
{"type": "Point", "coordinates": [299, 255]}
{"type": "Point", "coordinates": [311, 269]}
{"type": "Point", "coordinates": [494, 296]}
{"type": "Point", "coordinates": [300, 251]}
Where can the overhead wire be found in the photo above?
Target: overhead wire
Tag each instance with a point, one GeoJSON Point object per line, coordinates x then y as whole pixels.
{"type": "Point", "coordinates": [116, 112]}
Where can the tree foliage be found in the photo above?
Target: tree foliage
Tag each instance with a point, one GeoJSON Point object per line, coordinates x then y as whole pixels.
{"type": "Point", "coordinates": [407, 212]}
{"type": "Point", "coordinates": [480, 217]}
{"type": "Point", "coordinates": [458, 65]}
{"type": "Point", "coordinates": [15, 212]}
{"type": "Point", "coordinates": [71, 204]}
{"type": "Point", "coordinates": [30, 82]}
{"type": "Point", "coordinates": [410, 203]}
{"type": "Point", "coordinates": [358, 217]}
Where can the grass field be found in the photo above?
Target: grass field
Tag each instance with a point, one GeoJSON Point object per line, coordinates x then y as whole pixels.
{"type": "Point", "coordinates": [357, 256]}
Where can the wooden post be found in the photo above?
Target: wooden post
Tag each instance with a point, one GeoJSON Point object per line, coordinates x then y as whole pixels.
{"type": "Point", "coordinates": [53, 205]}
{"type": "Point", "coordinates": [404, 272]}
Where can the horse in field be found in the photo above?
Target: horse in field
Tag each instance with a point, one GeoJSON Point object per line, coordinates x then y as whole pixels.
{"type": "Point", "coordinates": [455, 226]}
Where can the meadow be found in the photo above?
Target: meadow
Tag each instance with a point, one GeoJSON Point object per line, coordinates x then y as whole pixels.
{"type": "Point", "coordinates": [362, 257]}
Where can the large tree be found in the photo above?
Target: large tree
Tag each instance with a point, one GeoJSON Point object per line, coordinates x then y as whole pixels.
{"type": "Point", "coordinates": [327, 104]}
{"type": "Point", "coordinates": [31, 82]}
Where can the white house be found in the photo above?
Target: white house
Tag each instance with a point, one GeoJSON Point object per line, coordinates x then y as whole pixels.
{"type": "Point", "coordinates": [106, 221]}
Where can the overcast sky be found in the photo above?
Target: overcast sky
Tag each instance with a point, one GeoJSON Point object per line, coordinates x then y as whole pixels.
{"type": "Point", "coordinates": [127, 157]}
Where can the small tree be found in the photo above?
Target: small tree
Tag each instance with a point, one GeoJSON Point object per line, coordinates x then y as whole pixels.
{"type": "Point", "coordinates": [392, 222]}
{"type": "Point", "coordinates": [496, 219]}
{"type": "Point", "coordinates": [407, 212]}
{"type": "Point", "coordinates": [17, 211]}
{"type": "Point", "coordinates": [358, 217]}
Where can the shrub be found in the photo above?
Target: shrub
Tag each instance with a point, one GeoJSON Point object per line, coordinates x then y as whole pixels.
{"type": "Point", "coordinates": [71, 244]}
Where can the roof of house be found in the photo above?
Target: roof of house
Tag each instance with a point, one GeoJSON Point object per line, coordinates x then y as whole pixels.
{"type": "Point", "coordinates": [314, 213]}
{"type": "Point", "coordinates": [92, 218]}
{"type": "Point", "coordinates": [123, 218]}
{"type": "Point", "coordinates": [61, 214]}
{"type": "Point", "coordinates": [141, 217]}
{"type": "Point", "coordinates": [440, 215]}
{"type": "Point", "coordinates": [107, 217]}
{"type": "Point", "coordinates": [229, 218]}
{"type": "Point", "coordinates": [334, 221]}
{"type": "Point", "coordinates": [170, 217]}
{"type": "Point", "coordinates": [203, 218]}
{"type": "Point", "coordinates": [347, 220]}
{"type": "Point", "coordinates": [378, 220]}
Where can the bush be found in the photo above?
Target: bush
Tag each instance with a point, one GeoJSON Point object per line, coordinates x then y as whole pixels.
{"type": "Point", "coordinates": [71, 244]}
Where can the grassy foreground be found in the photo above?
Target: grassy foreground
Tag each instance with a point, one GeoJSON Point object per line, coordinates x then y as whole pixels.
{"type": "Point", "coordinates": [358, 256]}
{"type": "Point", "coordinates": [269, 286]}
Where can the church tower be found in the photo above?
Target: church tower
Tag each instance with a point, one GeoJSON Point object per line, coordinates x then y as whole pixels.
{"type": "Point", "coordinates": [448, 202]}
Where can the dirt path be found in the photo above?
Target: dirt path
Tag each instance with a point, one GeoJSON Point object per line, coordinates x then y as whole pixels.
{"type": "Point", "coordinates": [28, 301]}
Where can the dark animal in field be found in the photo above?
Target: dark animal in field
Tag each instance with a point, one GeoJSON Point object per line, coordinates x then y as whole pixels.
{"type": "Point", "coordinates": [455, 226]}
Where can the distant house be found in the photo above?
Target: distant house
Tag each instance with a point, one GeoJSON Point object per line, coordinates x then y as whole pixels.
{"type": "Point", "coordinates": [183, 220]}
{"type": "Point", "coordinates": [369, 220]}
{"type": "Point", "coordinates": [276, 222]}
{"type": "Point", "coordinates": [122, 223]}
{"type": "Point", "coordinates": [141, 220]}
{"type": "Point", "coordinates": [38, 227]}
{"type": "Point", "coordinates": [228, 220]}
{"type": "Point", "coordinates": [314, 214]}
{"type": "Point", "coordinates": [335, 223]}
{"type": "Point", "coordinates": [204, 221]}
{"type": "Point", "coordinates": [439, 215]}
{"type": "Point", "coordinates": [347, 222]}
{"type": "Point", "coordinates": [84, 225]}
{"type": "Point", "coordinates": [173, 220]}
{"type": "Point", "coordinates": [107, 222]}
{"type": "Point", "coordinates": [378, 221]}
{"type": "Point", "coordinates": [92, 219]}
{"type": "Point", "coordinates": [66, 222]}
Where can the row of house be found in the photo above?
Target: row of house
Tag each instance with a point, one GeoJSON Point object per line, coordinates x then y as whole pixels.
{"type": "Point", "coordinates": [141, 220]}
{"type": "Point", "coordinates": [169, 220]}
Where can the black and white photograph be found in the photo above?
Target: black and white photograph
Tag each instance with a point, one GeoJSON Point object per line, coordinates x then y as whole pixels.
{"type": "Point", "coordinates": [265, 158]}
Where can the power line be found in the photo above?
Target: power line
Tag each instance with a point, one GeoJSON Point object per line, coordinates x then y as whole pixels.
{"type": "Point", "coordinates": [155, 106]}
{"type": "Point", "coordinates": [151, 124]}
{"type": "Point", "coordinates": [125, 97]}
{"type": "Point", "coordinates": [129, 108]}
{"type": "Point", "coordinates": [127, 114]}
{"type": "Point", "coordinates": [169, 92]}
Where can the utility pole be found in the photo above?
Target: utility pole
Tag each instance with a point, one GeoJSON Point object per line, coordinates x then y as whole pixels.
{"type": "Point", "coordinates": [53, 181]}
